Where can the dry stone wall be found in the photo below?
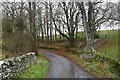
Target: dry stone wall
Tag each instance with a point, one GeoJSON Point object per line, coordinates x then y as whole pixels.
{"type": "Point", "coordinates": [16, 65]}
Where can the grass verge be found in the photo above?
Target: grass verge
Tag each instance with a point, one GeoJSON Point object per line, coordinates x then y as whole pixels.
{"type": "Point", "coordinates": [47, 47]}
{"type": "Point", "coordinates": [37, 70]}
{"type": "Point", "coordinates": [97, 68]}
{"type": "Point", "coordinates": [2, 56]}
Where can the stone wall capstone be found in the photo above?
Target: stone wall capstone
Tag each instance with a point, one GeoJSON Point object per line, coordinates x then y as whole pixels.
{"type": "Point", "coordinates": [16, 65]}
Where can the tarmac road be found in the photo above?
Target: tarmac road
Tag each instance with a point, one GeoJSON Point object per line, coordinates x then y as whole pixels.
{"type": "Point", "coordinates": [61, 67]}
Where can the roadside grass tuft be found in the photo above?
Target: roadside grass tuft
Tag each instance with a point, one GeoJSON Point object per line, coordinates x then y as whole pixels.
{"type": "Point", "coordinates": [47, 47]}
{"type": "Point", "coordinates": [2, 56]}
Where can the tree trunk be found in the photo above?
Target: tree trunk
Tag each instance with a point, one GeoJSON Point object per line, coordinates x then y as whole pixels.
{"type": "Point", "coordinates": [32, 10]}
{"type": "Point", "coordinates": [87, 27]}
{"type": "Point", "coordinates": [44, 30]}
{"type": "Point", "coordinates": [34, 29]}
{"type": "Point", "coordinates": [47, 25]}
{"type": "Point", "coordinates": [50, 10]}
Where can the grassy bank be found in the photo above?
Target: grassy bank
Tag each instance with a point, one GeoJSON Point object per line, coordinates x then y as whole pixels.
{"type": "Point", "coordinates": [2, 56]}
{"type": "Point", "coordinates": [37, 70]}
{"type": "Point", "coordinates": [97, 68]}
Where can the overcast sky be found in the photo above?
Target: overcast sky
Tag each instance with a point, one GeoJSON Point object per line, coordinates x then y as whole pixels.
{"type": "Point", "coordinates": [56, 0]}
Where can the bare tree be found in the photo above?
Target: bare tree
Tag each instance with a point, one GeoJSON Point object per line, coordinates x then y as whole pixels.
{"type": "Point", "coordinates": [32, 10]}
{"type": "Point", "coordinates": [15, 29]}
{"type": "Point", "coordinates": [70, 12]}
{"type": "Point", "coordinates": [92, 18]}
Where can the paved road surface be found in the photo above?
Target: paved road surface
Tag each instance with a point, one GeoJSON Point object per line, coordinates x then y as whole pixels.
{"type": "Point", "coordinates": [60, 67]}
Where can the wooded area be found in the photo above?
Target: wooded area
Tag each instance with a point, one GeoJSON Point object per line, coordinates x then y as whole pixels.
{"type": "Point", "coordinates": [25, 24]}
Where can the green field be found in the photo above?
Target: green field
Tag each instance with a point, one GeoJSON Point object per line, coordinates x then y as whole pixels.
{"type": "Point", "coordinates": [110, 46]}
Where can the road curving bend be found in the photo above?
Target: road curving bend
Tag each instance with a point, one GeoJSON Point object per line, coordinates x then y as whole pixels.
{"type": "Point", "coordinates": [61, 67]}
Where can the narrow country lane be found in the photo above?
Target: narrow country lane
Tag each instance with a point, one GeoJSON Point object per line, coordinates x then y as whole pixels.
{"type": "Point", "coordinates": [60, 67]}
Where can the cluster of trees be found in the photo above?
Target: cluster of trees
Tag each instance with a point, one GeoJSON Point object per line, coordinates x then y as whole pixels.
{"type": "Point", "coordinates": [26, 23]}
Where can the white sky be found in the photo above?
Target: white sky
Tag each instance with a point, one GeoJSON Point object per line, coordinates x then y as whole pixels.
{"type": "Point", "coordinates": [111, 0]}
{"type": "Point", "coordinates": [56, 0]}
